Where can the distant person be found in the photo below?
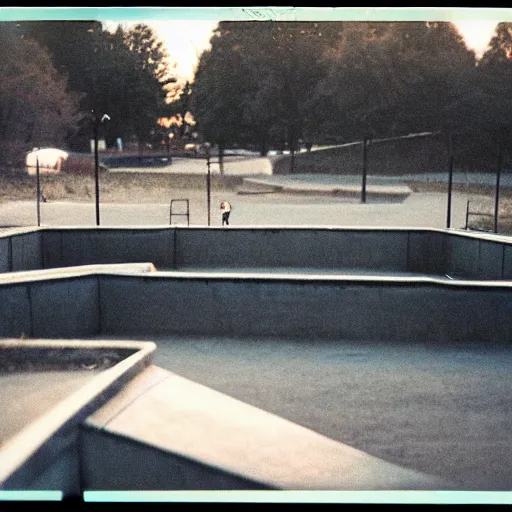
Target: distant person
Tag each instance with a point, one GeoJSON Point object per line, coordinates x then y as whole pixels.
{"type": "Point", "coordinates": [225, 209]}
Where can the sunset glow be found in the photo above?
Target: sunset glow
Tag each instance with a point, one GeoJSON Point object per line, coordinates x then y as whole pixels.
{"type": "Point", "coordinates": [477, 34]}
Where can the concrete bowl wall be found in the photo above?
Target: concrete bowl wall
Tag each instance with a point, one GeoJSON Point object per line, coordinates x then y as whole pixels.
{"type": "Point", "coordinates": [424, 251]}
{"type": "Point", "coordinates": [313, 248]}
{"type": "Point", "coordinates": [405, 309]}
{"type": "Point", "coordinates": [68, 247]}
{"type": "Point", "coordinates": [50, 308]}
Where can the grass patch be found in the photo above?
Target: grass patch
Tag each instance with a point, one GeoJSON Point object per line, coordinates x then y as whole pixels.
{"type": "Point", "coordinates": [114, 187]}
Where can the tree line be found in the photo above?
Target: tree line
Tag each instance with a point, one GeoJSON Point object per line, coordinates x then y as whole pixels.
{"type": "Point", "coordinates": [261, 85]}
{"type": "Point", "coordinates": [283, 84]}
{"type": "Point", "coordinates": [56, 76]}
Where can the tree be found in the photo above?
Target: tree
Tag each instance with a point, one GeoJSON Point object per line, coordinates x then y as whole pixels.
{"type": "Point", "coordinates": [148, 79]}
{"type": "Point", "coordinates": [72, 45]}
{"type": "Point", "coordinates": [255, 82]}
{"type": "Point", "coordinates": [124, 73]}
{"type": "Point", "coordinates": [494, 111]}
{"type": "Point", "coordinates": [35, 107]}
{"type": "Point", "coordinates": [216, 95]}
{"type": "Point", "coordinates": [395, 78]}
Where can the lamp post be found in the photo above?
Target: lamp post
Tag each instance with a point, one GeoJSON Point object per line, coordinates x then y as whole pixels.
{"type": "Point", "coordinates": [207, 145]}
{"type": "Point", "coordinates": [38, 191]}
{"type": "Point", "coordinates": [450, 181]}
{"type": "Point", "coordinates": [365, 167]}
{"type": "Point", "coordinates": [500, 144]}
{"type": "Point", "coordinates": [97, 121]}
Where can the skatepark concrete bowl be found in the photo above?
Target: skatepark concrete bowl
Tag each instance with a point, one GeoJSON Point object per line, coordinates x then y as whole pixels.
{"type": "Point", "coordinates": [306, 359]}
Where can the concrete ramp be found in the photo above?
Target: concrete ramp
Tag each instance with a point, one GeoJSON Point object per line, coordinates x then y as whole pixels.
{"type": "Point", "coordinates": [166, 432]}
{"type": "Point", "coordinates": [344, 186]}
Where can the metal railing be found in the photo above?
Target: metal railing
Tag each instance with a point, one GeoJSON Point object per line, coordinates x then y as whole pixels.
{"type": "Point", "coordinates": [187, 214]}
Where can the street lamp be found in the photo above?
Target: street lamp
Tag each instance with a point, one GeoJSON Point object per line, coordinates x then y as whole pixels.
{"type": "Point", "coordinates": [500, 150]}
{"type": "Point", "coordinates": [366, 141]}
{"type": "Point", "coordinates": [38, 190]}
{"type": "Point", "coordinates": [207, 146]}
{"type": "Point", "coordinates": [450, 180]}
{"type": "Point", "coordinates": [97, 121]}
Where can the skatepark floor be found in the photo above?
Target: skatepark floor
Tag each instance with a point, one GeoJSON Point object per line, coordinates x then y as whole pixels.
{"type": "Point", "coordinates": [440, 409]}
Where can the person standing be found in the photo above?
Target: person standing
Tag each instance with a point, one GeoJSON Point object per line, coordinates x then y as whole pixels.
{"type": "Point", "coordinates": [225, 209]}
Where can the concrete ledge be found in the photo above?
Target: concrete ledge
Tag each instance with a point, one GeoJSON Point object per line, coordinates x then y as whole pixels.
{"type": "Point", "coordinates": [36, 275]}
{"type": "Point", "coordinates": [457, 253]}
{"type": "Point", "coordinates": [372, 190]}
{"type": "Point", "coordinates": [195, 424]}
{"type": "Point", "coordinates": [25, 457]}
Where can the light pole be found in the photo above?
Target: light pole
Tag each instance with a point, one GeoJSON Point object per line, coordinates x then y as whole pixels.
{"type": "Point", "coordinates": [450, 180]}
{"type": "Point", "coordinates": [207, 145]}
{"type": "Point", "coordinates": [38, 191]}
{"type": "Point", "coordinates": [500, 144]}
{"type": "Point", "coordinates": [365, 168]}
{"type": "Point", "coordinates": [97, 121]}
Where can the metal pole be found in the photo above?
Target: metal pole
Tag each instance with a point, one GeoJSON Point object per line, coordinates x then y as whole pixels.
{"type": "Point", "coordinates": [467, 214]}
{"type": "Point", "coordinates": [221, 159]}
{"type": "Point", "coordinates": [38, 192]}
{"type": "Point", "coordinates": [498, 177]}
{"type": "Point", "coordinates": [450, 182]}
{"type": "Point", "coordinates": [96, 172]}
{"type": "Point", "coordinates": [365, 164]}
{"type": "Point", "coordinates": [208, 190]}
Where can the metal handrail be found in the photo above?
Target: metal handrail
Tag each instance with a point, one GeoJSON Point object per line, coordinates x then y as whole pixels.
{"type": "Point", "coordinates": [179, 214]}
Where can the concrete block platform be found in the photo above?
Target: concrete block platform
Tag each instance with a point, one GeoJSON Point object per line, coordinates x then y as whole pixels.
{"type": "Point", "coordinates": [347, 186]}
{"type": "Point", "coordinates": [436, 409]}
{"type": "Point", "coordinates": [195, 438]}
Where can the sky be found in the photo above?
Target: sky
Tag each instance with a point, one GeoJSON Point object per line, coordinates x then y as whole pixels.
{"type": "Point", "coordinates": [186, 40]}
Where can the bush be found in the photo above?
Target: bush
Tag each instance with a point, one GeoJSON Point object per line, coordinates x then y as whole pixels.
{"type": "Point", "coordinates": [79, 165]}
